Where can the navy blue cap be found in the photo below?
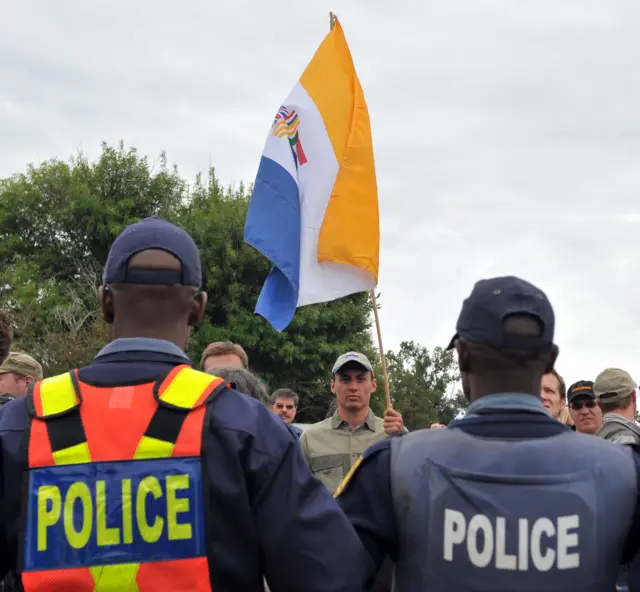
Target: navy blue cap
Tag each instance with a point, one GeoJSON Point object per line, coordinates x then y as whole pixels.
{"type": "Point", "coordinates": [153, 233]}
{"type": "Point", "coordinates": [491, 301]}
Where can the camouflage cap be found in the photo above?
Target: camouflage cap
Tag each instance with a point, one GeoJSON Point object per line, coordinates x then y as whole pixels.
{"type": "Point", "coordinates": [22, 365]}
{"type": "Point", "coordinates": [355, 357]}
{"type": "Point", "coordinates": [613, 384]}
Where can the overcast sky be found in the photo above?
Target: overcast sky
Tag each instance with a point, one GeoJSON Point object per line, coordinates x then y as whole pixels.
{"type": "Point", "coordinates": [506, 134]}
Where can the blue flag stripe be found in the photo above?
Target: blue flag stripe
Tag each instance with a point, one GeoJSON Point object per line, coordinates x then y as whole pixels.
{"type": "Point", "coordinates": [273, 228]}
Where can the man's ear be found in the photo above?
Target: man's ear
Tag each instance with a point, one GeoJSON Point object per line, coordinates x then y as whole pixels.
{"type": "Point", "coordinates": [550, 359]}
{"type": "Point", "coordinates": [332, 385]}
{"type": "Point", "coordinates": [375, 385]}
{"type": "Point", "coordinates": [463, 356]}
{"type": "Point", "coordinates": [198, 308]}
{"type": "Point", "coordinates": [105, 296]}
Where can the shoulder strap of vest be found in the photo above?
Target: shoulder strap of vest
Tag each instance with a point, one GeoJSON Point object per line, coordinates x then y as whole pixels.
{"type": "Point", "coordinates": [57, 401]}
{"type": "Point", "coordinates": [185, 388]}
{"type": "Point", "coordinates": [55, 396]}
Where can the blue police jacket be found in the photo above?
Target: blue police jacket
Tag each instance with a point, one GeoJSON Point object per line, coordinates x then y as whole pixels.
{"type": "Point", "coordinates": [505, 499]}
{"type": "Point", "coordinates": [269, 516]}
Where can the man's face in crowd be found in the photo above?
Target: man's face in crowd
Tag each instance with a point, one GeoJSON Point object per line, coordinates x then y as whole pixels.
{"type": "Point", "coordinates": [285, 408]}
{"type": "Point", "coordinates": [223, 361]}
{"type": "Point", "coordinates": [550, 395]}
{"type": "Point", "coordinates": [586, 415]}
{"type": "Point", "coordinates": [14, 384]}
{"type": "Point", "coordinates": [353, 385]}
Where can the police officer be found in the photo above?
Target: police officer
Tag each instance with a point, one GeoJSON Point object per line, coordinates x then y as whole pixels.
{"type": "Point", "coordinates": [506, 498]}
{"type": "Point", "coordinates": [142, 473]}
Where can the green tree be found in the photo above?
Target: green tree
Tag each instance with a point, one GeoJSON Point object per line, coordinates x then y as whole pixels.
{"type": "Point", "coordinates": [423, 385]}
{"type": "Point", "coordinates": [58, 221]}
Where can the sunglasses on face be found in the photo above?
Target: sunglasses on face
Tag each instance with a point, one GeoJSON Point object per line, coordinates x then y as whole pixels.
{"type": "Point", "coordinates": [287, 407]}
{"type": "Point", "coordinates": [577, 405]}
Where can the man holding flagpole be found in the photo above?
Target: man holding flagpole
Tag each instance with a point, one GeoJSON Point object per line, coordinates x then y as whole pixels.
{"type": "Point", "coordinates": [335, 445]}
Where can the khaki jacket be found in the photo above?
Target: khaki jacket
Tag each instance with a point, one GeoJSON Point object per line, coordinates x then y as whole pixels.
{"type": "Point", "coordinates": [331, 447]}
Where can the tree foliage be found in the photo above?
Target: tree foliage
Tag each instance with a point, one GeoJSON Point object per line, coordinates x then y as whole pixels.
{"type": "Point", "coordinates": [423, 385]}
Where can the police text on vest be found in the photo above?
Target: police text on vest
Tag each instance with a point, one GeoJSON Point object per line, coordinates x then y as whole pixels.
{"type": "Point", "coordinates": [541, 544]}
{"type": "Point", "coordinates": [103, 513]}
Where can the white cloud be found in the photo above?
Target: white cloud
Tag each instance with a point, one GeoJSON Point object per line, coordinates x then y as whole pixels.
{"type": "Point", "coordinates": [507, 136]}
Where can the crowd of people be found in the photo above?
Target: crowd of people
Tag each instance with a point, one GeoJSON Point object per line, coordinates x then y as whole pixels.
{"type": "Point", "coordinates": [507, 497]}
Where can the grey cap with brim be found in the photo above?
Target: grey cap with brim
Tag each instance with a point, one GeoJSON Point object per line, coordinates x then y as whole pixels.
{"type": "Point", "coordinates": [613, 384]}
{"type": "Point", "coordinates": [21, 364]}
{"type": "Point", "coordinates": [352, 357]}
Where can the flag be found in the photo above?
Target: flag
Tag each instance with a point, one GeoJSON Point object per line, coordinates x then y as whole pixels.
{"type": "Point", "coordinates": [314, 207]}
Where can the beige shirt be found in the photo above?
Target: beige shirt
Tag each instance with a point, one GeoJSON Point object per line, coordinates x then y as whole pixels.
{"type": "Point", "coordinates": [332, 446]}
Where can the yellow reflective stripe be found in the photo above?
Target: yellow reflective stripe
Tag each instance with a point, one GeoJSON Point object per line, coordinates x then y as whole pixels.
{"type": "Point", "coordinates": [115, 578]}
{"type": "Point", "coordinates": [153, 448]}
{"type": "Point", "coordinates": [346, 480]}
{"type": "Point", "coordinates": [187, 387]}
{"type": "Point", "coordinates": [74, 455]}
{"type": "Point", "coordinates": [57, 394]}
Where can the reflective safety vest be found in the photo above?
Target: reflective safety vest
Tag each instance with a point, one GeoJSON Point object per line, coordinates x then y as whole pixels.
{"type": "Point", "coordinates": [483, 514]}
{"type": "Point", "coordinates": [114, 499]}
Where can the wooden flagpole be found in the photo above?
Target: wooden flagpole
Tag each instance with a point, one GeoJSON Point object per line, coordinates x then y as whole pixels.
{"type": "Point", "coordinates": [332, 21]}
{"type": "Point", "coordinates": [385, 374]}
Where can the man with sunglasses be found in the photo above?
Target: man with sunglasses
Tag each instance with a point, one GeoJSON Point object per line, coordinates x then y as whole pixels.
{"type": "Point", "coordinates": [583, 408]}
{"type": "Point", "coordinates": [284, 403]}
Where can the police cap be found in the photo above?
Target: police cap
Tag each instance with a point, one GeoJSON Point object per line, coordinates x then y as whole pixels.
{"type": "Point", "coordinates": [153, 233]}
{"type": "Point", "coordinates": [491, 301]}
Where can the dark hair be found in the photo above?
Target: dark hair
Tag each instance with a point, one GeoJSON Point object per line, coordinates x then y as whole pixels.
{"type": "Point", "coordinates": [6, 336]}
{"type": "Point", "coordinates": [609, 406]}
{"type": "Point", "coordinates": [224, 348]}
{"type": "Point", "coordinates": [244, 382]}
{"type": "Point", "coordinates": [285, 393]}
